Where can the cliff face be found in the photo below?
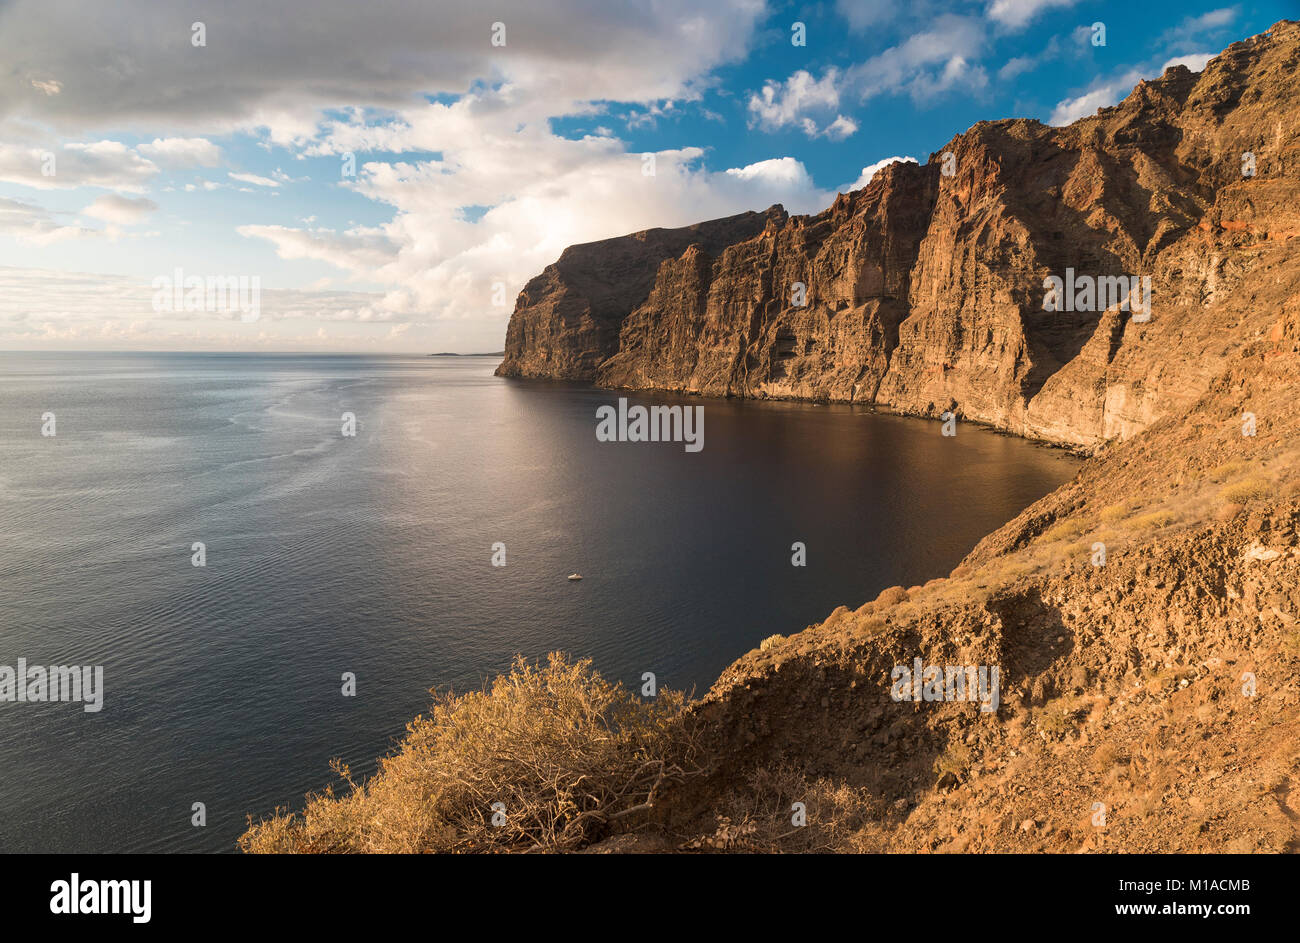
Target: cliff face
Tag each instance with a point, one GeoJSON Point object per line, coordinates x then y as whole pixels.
{"type": "Point", "coordinates": [566, 320]}
{"type": "Point", "coordinates": [925, 290]}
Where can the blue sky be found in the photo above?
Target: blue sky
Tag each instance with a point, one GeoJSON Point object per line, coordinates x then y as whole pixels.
{"type": "Point", "coordinates": [475, 162]}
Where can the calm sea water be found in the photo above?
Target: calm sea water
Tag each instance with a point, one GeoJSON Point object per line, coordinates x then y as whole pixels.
{"type": "Point", "coordinates": [372, 554]}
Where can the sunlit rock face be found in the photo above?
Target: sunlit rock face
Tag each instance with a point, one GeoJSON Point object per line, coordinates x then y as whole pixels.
{"type": "Point", "coordinates": [926, 291]}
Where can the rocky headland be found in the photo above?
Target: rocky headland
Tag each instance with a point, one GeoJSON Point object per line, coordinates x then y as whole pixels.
{"type": "Point", "coordinates": [1143, 617]}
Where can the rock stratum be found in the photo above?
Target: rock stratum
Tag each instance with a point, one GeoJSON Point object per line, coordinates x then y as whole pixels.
{"type": "Point", "coordinates": [924, 291]}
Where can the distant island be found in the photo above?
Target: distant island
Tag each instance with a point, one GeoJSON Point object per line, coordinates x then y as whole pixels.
{"type": "Point", "coordinates": [499, 353]}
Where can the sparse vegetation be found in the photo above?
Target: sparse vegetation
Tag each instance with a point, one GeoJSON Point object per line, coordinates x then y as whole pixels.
{"type": "Point", "coordinates": [1114, 513]}
{"type": "Point", "coordinates": [1067, 529]}
{"type": "Point", "coordinates": [1153, 521]}
{"type": "Point", "coordinates": [759, 816]}
{"type": "Point", "coordinates": [1246, 490]}
{"type": "Point", "coordinates": [891, 597]}
{"type": "Point", "coordinates": [955, 759]}
{"type": "Point", "coordinates": [567, 754]}
{"type": "Point", "coordinates": [1227, 470]}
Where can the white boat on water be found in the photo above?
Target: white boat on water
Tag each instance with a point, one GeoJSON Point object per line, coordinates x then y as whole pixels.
{"type": "Point", "coordinates": [574, 577]}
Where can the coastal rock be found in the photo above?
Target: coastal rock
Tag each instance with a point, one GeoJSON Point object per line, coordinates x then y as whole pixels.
{"type": "Point", "coordinates": [924, 292]}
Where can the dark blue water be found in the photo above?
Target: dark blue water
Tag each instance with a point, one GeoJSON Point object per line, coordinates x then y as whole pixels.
{"type": "Point", "coordinates": [372, 555]}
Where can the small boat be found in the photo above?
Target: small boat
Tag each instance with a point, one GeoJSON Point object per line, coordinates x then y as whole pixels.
{"type": "Point", "coordinates": [574, 577]}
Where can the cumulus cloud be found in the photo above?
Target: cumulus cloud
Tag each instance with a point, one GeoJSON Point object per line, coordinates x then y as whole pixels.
{"type": "Point", "coordinates": [779, 104]}
{"type": "Point", "coordinates": [108, 164]}
{"type": "Point", "coordinates": [1195, 62]}
{"type": "Point", "coordinates": [535, 193]}
{"type": "Point", "coordinates": [34, 225]}
{"type": "Point", "coordinates": [928, 62]}
{"type": "Point", "coordinates": [1193, 29]}
{"type": "Point", "coordinates": [840, 128]}
{"type": "Point", "coordinates": [871, 170]}
{"type": "Point", "coordinates": [275, 66]}
{"type": "Point", "coordinates": [182, 152]}
{"type": "Point", "coordinates": [1016, 14]}
{"type": "Point", "coordinates": [124, 211]}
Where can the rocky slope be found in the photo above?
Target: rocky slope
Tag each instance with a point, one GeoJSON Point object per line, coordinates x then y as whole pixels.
{"type": "Point", "coordinates": [1149, 694]}
{"type": "Point", "coordinates": [925, 291]}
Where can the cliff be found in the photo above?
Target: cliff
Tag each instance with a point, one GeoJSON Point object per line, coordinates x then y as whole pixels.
{"type": "Point", "coordinates": [566, 320]}
{"type": "Point", "coordinates": [925, 291]}
{"type": "Point", "coordinates": [1144, 618]}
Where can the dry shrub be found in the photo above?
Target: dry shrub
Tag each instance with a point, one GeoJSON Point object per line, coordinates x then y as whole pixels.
{"type": "Point", "coordinates": [568, 753]}
{"type": "Point", "coordinates": [759, 816]}
{"type": "Point", "coordinates": [891, 597]}
{"type": "Point", "coordinates": [1059, 716]}
{"type": "Point", "coordinates": [1063, 530]}
{"type": "Point", "coordinates": [1246, 490]}
{"type": "Point", "coordinates": [1078, 548]}
{"type": "Point", "coordinates": [873, 625]}
{"type": "Point", "coordinates": [770, 642]}
{"type": "Point", "coordinates": [955, 759]}
{"type": "Point", "coordinates": [1227, 470]}
{"type": "Point", "coordinates": [1153, 521]}
{"type": "Point", "coordinates": [1114, 513]}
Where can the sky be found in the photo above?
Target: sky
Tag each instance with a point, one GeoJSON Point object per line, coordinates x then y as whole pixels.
{"type": "Point", "coordinates": [385, 176]}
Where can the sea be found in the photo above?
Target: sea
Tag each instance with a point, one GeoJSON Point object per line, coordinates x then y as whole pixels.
{"type": "Point", "coordinates": [272, 559]}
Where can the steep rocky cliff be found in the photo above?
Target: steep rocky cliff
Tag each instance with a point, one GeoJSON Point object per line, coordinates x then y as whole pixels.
{"type": "Point", "coordinates": [566, 320]}
{"type": "Point", "coordinates": [924, 291]}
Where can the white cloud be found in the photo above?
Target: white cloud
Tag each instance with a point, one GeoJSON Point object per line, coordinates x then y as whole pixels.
{"type": "Point", "coordinates": [1106, 92]}
{"type": "Point", "coordinates": [121, 210]}
{"type": "Point", "coordinates": [949, 46]}
{"type": "Point", "coordinates": [840, 128]}
{"type": "Point", "coordinates": [1193, 29]}
{"type": "Point", "coordinates": [785, 103]}
{"type": "Point", "coordinates": [43, 307]}
{"type": "Point", "coordinates": [278, 71]}
{"type": "Point", "coordinates": [108, 164]}
{"type": "Point", "coordinates": [33, 224]}
{"type": "Point", "coordinates": [543, 192]}
{"type": "Point", "coordinates": [870, 171]}
{"type": "Point", "coordinates": [1195, 62]}
{"type": "Point", "coordinates": [182, 152]}
{"type": "Point", "coordinates": [255, 180]}
{"type": "Point", "coordinates": [1102, 94]}
{"type": "Point", "coordinates": [1016, 14]}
